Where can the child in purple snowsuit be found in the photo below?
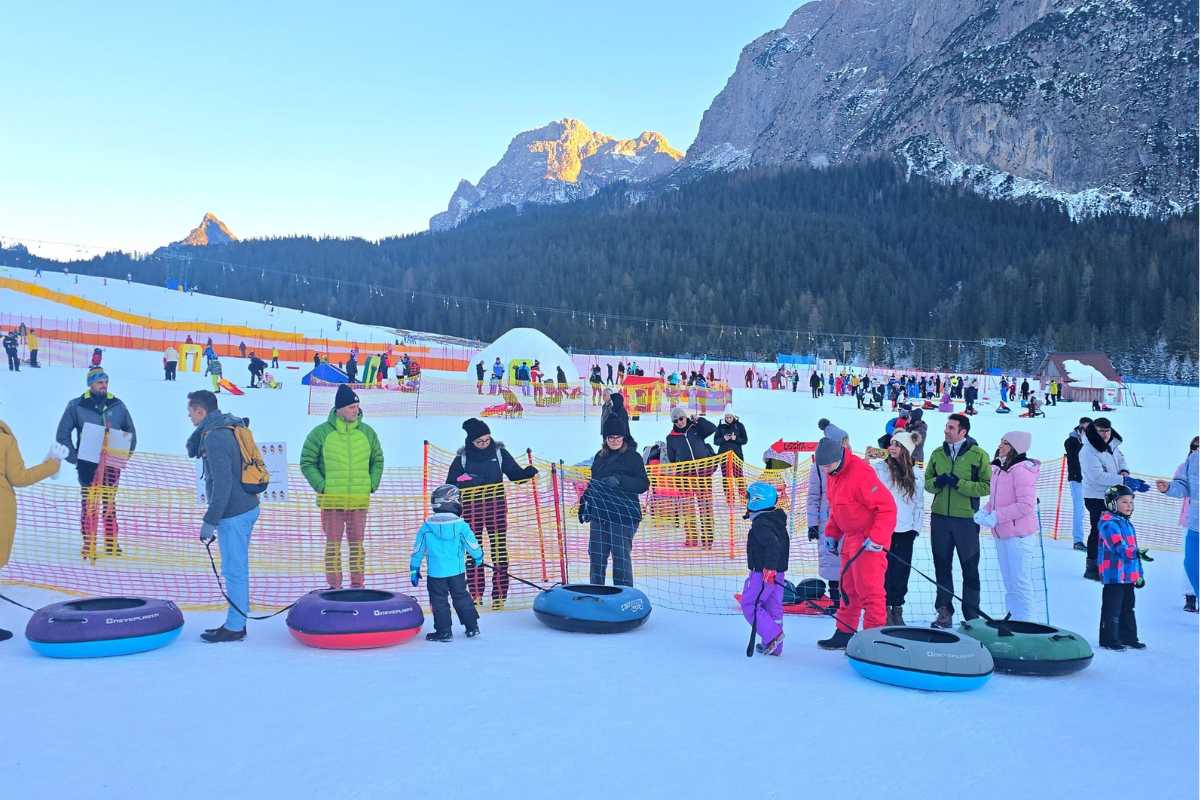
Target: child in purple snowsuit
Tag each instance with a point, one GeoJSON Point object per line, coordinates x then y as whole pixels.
{"type": "Point", "coordinates": [767, 557]}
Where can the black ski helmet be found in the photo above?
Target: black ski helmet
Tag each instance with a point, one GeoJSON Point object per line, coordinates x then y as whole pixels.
{"type": "Point", "coordinates": [1113, 493]}
{"type": "Point", "coordinates": [445, 498]}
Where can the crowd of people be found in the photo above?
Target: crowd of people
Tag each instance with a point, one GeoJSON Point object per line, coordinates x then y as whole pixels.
{"type": "Point", "coordinates": [863, 514]}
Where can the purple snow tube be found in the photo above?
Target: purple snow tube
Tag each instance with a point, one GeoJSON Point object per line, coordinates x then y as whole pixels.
{"type": "Point", "coordinates": [354, 619]}
{"type": "Point", "coordinates": [103, 626]}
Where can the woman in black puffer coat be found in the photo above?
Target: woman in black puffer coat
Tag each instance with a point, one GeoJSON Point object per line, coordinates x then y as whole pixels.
{"type": "Point", "coordinates": [611, 504]}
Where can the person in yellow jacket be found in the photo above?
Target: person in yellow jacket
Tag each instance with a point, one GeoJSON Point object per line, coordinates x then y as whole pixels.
{"type": "Point", "coordinates": [31, 342]}
{"type": "Point", "coordinates": [343, 462]}
{"type": "Point", "coordinates": [274, 358]}
{"type": "Point", "coordinates": [13, 474]}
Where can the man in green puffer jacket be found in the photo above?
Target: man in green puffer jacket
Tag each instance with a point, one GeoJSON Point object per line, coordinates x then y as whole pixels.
{"type": "Point", "coordinates": [958, 474]}
{"type": "Point", "coordinates": [343, 462]}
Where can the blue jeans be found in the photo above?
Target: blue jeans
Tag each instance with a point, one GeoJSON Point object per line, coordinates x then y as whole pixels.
{"type": "Point", "coordinates": [233, 536]}
{"type": "Point", "coordinates": [1191, 556]}
{"type": "Point", "coordinates": [1077, 511]}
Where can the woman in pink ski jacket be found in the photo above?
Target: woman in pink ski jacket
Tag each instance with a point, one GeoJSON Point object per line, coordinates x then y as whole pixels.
{"type": "Point", "coordinates": [1011, 513]}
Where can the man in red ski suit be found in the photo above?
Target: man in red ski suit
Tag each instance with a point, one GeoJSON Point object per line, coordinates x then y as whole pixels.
{"type": "Point", "coordinates": [862, 517]}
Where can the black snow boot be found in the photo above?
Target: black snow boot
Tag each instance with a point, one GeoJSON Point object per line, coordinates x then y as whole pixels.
{"type": "Point", "coordinates": [1091, 572]}
{"type": "Point", "coordinates": [223, 634]}
{"type": "Point", "coordinates": [5, 635]}
{"type": "Point", "coordinates": [472, 632]}
{"type": "Point", "coordinates": [1189, 603]}
{"type": "Point", "coordinates": [439, 636]}
{"type": "Point", "coordinates": [835, 594]}
{"type": "Point", "coordinates": [838, 641]}
{"type": "Point", "coordinates": [1108, 634]}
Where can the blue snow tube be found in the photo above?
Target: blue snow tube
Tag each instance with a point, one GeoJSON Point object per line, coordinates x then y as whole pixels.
{"type": "Point", "coordinates": [103, 626]}
{"type": "Point", "coordinates": [588, 608]}
{"type": "Point", "coordinates": [920, 658]}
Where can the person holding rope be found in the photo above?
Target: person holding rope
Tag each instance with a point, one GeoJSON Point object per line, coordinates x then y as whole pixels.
{"type": "Point", "coordinates": [862, 517]}
{"type": "Point", "coordinates": [481, 466]}
{"type": "Point", "coordinates": [14, 474]}
{"type": "Point", "coordinates": [232, 511]}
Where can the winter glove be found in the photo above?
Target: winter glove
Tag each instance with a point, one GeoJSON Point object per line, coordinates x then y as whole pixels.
{"type": "Point", "coordinates": [831, 545]}
{"type": "Point", "coordinates": [952, 481]}
{"type": "Point", "coordinates": [986, 518]}
{"type": "Point", "coordinates": [1144, 554]}
{"type": "Point", "coordinates": [1136, 484]}
{"type": "Point", "coordinates": [941, 481]}
{"type": "Point", "coordinates": [208, 532]}
{"type": "Point", "coordinates": [464, 478]}
{"type": "Point", "coordinates": [768, 576]}
{"type": "Point", "coordinates": [871, 547]}
{"type": "Point", "coordinates": [415, 576]}
{"type": "Point", "coordinates": [476, 561]}
{"type": "Point", "coordinates": [531, 471]}
{"type": "Point", "coordinates": [58, 452]}
{"type": "Point", "coordinates": [814, 533]}
{"type": "Point", "coordinates": [1139, 583]}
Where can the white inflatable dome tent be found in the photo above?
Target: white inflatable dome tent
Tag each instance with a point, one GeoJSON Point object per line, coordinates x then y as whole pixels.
{"type": "Point", "coordinates": [524, 345]}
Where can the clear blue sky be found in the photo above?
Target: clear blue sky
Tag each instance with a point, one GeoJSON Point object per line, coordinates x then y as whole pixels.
{"type": "Point", "coordinates": [125, 122]}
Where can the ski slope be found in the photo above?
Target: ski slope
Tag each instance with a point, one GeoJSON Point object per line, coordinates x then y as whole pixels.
{"type": "Point", "coordinates": [524, 711]}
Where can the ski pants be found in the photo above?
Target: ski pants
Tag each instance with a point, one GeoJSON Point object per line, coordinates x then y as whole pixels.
{"type": "Point", "coordinates": [98, 501]}
{"type": "Point", "coordinates": [14, 361]}
{"type": "Point", "coordinates": [1015, 555]}
{"type": "Point", "coordinates": [33, 358]}
{"type": "Point", "coordinates": [443, 592]}
{"type": "Point", "coordinates": [1077, 512]}
{"type": "Point", "coordinates": [491, 515]}
{"type": "Point", "coordinates": [946, 535]}
{"type": "Point", "coordinates": [862, 587]}
{"type": "Point", "coordinates": [352, 523]}
{"type": "Point", "coordinates": [169, 370]}
{"type": "Point", "coordinates": [895, 580]}
{"type": "Point", "coordinates": [1095, 508]}
{"type": "Point", "coordinates": [233, 537]}
{"type": "Point", "coordinates": [611, 539]}
{"type": "Point", "coordinates": [1117, 621]}
{"type": "Point", "coordinates": [1191, 557]}
{"type": "Point", "coordinates": [767, 609]}
{"type": "Point", "coordinates": [829, 564]}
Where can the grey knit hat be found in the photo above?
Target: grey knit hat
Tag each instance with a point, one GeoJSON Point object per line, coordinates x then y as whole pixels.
{"type": "Point", "coordinates": [829, 451]}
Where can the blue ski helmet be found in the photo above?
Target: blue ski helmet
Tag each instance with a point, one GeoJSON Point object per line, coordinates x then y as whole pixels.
{"type": "Point", "coordinates": [760, 496]}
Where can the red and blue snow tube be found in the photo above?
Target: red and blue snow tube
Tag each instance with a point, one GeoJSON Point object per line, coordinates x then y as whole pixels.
{"type": "Point", "coordinates": [354, 619]}
{"type": "Point", "coordinates": [103, 626]}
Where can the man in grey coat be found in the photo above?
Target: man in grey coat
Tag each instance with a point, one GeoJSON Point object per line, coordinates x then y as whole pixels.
{"type": "Point", "coordinates": [232, 511]}
{"type": "Point", "coordinates": [98, 488]}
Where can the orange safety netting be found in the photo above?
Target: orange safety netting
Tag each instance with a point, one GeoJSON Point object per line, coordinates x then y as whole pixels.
{"type": "Point", "coordinates": [141, 535]}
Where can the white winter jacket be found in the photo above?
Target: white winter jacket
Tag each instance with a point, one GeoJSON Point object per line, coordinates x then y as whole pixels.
{"type": "Point", "coordinates": [1101, 468]}
{"type": "Point", "coordinates": [910, 511]}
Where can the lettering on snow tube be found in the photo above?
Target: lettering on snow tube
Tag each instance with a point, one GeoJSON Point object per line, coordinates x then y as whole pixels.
{"type": "Point", "coordinates": [354, 619]}
{"type": "Point", "coordinates": [1032, 649]}
{"type": "Point", "coordinates": [103, 626]}
{"type": "Point", "coordinates": [920, 658]}
{"type": "Point", "coordinates": [588, 608]}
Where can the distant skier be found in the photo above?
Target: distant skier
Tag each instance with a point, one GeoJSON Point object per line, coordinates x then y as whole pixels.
{"type": "Point", "coordinates": [479, 372]}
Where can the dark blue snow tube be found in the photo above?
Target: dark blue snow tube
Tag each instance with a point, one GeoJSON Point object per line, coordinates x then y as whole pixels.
{"type": "Point", "coordinates": [103, 626]}
{"type": "Point", "coordinates": [588, 608]}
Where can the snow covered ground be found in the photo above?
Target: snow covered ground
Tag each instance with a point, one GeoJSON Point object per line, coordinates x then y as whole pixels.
{"type": "Point", "coordinates": [526, 711]}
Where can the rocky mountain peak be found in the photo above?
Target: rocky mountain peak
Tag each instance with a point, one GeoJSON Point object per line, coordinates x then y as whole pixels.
{"type": "Point", "coordinates": [562, 161]}
{"type": "Point", "coordinates": [210, 231]}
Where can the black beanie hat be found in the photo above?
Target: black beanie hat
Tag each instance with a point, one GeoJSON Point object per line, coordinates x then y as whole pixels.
{"type": "Point", "coordinates": [613, 426]}
{"type": "Point", "coordinates": [345, 397]}
{"type": "Point", "coordinates": [475, 428]}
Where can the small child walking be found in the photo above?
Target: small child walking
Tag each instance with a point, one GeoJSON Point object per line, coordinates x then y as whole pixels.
{"type": "Point", "coordinates": [1120, 565]}
{"type": "Point", "coordinates": [767, 558]}
{"type": "Point", "coordinates": [446, 540]}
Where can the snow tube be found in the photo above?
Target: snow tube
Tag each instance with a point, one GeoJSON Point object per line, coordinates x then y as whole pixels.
{"type": "Point", "coordinates": [103, 626]}
{"type": "Point", "coordinates": [920, 658]}
{"type": "Point", "coordinates": [588, 608]}
{"type": "Point", "coordinates": [354, 619]}
{"type": "Point", "coordinates": [1032, 649]}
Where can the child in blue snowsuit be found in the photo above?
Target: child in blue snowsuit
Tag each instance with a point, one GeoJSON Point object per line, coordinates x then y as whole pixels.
{"type": "Point", "coordinates": [446, 540]}
{"type": "Point", "coordinates": [767, 549]}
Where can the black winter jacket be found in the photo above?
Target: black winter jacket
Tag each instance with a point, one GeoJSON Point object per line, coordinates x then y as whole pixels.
{"type": "Point", "coordinates": [1072, 446]}
{"type": "Point", "coordinates": [735, 444]}
{"type": "Point", "coordinates": [612, 494]}
{"type": "Point", "coordinates": [767, 544]}
{"type": "Point", "coordinates": [689, 444]}
{"type": "Point", "coordinates": [485, 467]}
